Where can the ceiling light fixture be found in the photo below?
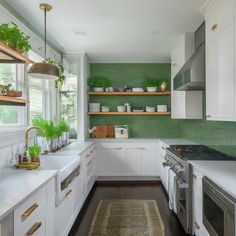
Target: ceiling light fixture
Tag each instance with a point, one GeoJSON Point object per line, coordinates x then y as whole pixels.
{"type": "Point", "coordinates": [44, 70]}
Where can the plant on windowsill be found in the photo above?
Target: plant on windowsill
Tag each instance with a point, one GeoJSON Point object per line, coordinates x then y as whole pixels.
{"type": "Point", "coordinates": [60, 81]}
{"type": "Point", "coordinates": [64, 127]}
{"type": "Point", "coordinates": [13, 37]}
{"type": "Point", "coordinates": [34, 153]}
{"type": "Point", "coordinates": [98, 83]}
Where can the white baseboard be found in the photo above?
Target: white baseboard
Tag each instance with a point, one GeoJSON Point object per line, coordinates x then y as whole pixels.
{"type": "Point", "coordinates": [128, 178]}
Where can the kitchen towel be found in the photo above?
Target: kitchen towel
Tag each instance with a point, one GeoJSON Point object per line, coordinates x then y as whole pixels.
{"type": "Point", "coordinates": [167, 168]}
{"type": "Point", "coordinates": [172, 190]}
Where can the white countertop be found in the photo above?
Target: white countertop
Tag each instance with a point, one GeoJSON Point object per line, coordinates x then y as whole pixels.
{"type": "Point", "coordinates": [75, 148]}
{"type": "Point", "coordinates": [17, 185]}
{"type": "Point", "coordinates": [125, 140]}
{"type": "Point", "coordinates": [20, 185]}
{"type": "Point", "coordinates": [177, 141]}
{"type": "Point", "coordinates": [223, 173]}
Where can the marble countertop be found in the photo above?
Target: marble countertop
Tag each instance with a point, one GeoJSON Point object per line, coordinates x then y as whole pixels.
{"type": "Point", "coordinates": [19, 185]}
{"type": "Point", "coordinates": [75, 148]}
{"type": "Point", "coordinates": [177, 141]}
{"type": "Point", "coordinates": [223, 173]}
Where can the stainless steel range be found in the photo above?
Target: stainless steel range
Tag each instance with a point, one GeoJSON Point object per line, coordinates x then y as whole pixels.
{"type": "Point", "coordinates": [176, 158]}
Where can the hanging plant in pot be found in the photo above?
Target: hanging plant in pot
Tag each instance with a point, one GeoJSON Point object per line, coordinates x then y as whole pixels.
{"type": "Point", "coordinates": [151, 84]}
{"type": "Point", "coordinates": [13, 37]}
{"type": "Point", "coordinates": [61, 77]}
{"type": "Point", "coordinates": [99, 83]}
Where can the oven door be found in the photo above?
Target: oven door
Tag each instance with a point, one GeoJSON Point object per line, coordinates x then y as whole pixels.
{"type": "Point", "coordinates": [183, 202]}
{"type": "Point", "coordinates": [218, 210]}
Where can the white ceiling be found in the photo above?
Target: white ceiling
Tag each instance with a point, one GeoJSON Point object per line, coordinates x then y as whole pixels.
{"type": "Point", "coordinates": [115, 31]}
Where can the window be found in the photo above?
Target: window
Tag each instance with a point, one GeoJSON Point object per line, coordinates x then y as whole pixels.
{"type": "Point", "coordinates": [11, 74]}
{"type": "Point", "coordinates": [68, 103]}
{"type": "Point", "coordinates": [38, 96]}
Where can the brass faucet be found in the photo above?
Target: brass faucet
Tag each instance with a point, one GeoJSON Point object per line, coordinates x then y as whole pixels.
{"type": "Point", "coordinates": [27, 134]}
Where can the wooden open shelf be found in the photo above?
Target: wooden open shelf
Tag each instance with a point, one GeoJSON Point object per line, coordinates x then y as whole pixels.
{"type": "Point", "coordinates": [131, 113]}
{"type": "Point", "coordinates": [9, 55]}
{"type": "Point", "coordinates": [129, 93]}
{"type": "Point", "coordinates": [12, 101]}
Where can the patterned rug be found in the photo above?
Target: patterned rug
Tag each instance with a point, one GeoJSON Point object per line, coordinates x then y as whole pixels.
{"type": "Point", "coordinates": [127, 218]}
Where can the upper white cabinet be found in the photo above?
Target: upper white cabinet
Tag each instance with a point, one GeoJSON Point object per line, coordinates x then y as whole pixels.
{"type": "Point", "coordinates": [220, 61]}
{"type": "Point", "coordinates": [184, 104]}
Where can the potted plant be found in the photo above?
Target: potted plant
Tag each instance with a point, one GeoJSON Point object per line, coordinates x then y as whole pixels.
{"type": "Point", "coordinates": [64, 127]}
{"type": "Point", "coordinates": [151, 84]}
{"type": "Point", "coordinates": [34, 152]}
{"type": "Point", "coordinates": [163, 85]}
{"type": "Point", "coordinates": [12, 36]}
{"type": "Point", "coordinates": [98, 83]}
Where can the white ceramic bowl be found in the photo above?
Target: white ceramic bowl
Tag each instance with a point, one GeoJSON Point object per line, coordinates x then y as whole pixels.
{"type": "Point", "coordinates": [161, 108]}
{"type": "Point", "coordinates": [121, 108]}
{"type": "Point", "coordinates": [151, 89]}
{"type": "Point", "coordinates": [150, 109]}
{"type": "Point", "coordinates": [137, 90]}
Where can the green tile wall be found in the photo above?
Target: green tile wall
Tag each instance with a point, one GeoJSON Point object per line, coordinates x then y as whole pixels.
{"type": "Point", "coordinates": [201, 131]}
{"type": "Point", "coordinates": [133, 75]}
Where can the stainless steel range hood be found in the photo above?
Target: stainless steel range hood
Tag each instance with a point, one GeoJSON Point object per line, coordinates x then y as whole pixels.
{"type": "Point", "coordinates": [192, 75]}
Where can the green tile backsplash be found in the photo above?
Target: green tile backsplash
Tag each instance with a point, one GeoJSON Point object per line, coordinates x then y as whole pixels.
{"type": "Point", "coordinates": [201, 131]}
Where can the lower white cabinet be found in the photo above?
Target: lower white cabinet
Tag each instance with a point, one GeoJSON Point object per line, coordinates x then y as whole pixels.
{"type": "Point", "coordinates": [128, 158]}
{"type": "Point", "coordinates": [198, 226]}
{"type": "Point", "coordinates": [35, 215]}
{"type": "Point", "coordinates": [77, 188]}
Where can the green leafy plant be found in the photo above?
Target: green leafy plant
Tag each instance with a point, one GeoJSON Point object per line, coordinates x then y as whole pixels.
{"type": "Point", "coordinates": [34, 151]}
{"type": "Point", "coordinates": [151, 82]}
{"type": "Point", "coordinates": [42, 124]}
{"type": "Point", "coordinates": [12, 36]}
{"type": "Point", "coordinates": [60, 81]}
{"type": "Point", "coordinates": [99, 82]}
{"type": "Point", "coordinates": [63, 126]}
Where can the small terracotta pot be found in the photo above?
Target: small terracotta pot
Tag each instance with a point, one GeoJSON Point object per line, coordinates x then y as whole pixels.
{"type": "Point", "coordinates": [35, 159]}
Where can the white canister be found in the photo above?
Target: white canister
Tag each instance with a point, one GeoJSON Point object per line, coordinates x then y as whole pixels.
{"type": "Point", "coordinates": [161, 108]}
{"type": "Point", "coordinates": [127, 107]}
{"type": "Point", "coordinates": [121, 108]}
{"type": "Point", "coordinates": [94, 107]}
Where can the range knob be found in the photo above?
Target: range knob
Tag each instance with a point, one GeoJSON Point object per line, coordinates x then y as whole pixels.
{"type": "Point", "coordinates": [178, 169]}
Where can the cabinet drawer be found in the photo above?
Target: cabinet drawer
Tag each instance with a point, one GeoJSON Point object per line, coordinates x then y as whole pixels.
{"type": "Point", "coordinates": [29, 209]}
{"type": "Point", "coordinates": [36, 226]}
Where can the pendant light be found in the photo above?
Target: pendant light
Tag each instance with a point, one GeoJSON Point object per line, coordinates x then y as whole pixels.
{"type": "Point", "coordinates": [44, 70]}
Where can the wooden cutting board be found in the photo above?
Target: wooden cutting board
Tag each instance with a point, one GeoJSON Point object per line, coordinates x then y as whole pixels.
{"type": "Point", "coordinates": [106, 131]}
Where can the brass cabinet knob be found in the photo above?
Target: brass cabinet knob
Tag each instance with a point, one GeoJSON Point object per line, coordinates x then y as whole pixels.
{"type": "Point", "coordinates": [214, 27]}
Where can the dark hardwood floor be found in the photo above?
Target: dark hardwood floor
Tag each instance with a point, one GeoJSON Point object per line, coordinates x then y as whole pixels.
{"type": "Point", "coordinates": [127, 190]}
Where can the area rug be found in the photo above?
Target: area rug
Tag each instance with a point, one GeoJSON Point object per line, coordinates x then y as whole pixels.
{"type": "Point", "coordinates": [127, 218]}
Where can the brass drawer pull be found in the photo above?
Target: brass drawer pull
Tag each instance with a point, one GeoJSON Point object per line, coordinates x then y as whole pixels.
{"type": "Point", "coordinates": [68, 193]}
{"type": "Point", "coordinates": [194, 176]}
{"type": "Point", "coordinates": [91, 151]}
{"type": "Point", "coordinates": [87, 156]}
{"type": "Point", "coordinates": [196, 225]}
{"type": "Point", "coordinates": [214, 27]}
{"type": "Point", "coordinates": [34, 228]}
{"type": "Point", "coordinates": [29, 211]}
{"type": "Point", "coordinates": [78, 174]}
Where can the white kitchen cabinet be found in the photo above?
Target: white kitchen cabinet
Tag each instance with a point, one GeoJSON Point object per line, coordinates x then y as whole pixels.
{"type": "Point", "coordinates": [128, 158]}
{"type": "Point", "coordinates": [7, 225]}
{"type": "Point", "coordinates": [112, 159]}
{"type": "Point", "coordinates": [198, 226]}
{"type": "Point", "coordinates": [220, 61]}
{"type": "Point", "coordinates": [77, 188]}
{"type": "Point", "coordinates": [184, 104]}
{"type": "Point", "coordinates": [35, 214]}
{"type": "Point", "coordinates": [133, 161]}
{"type": "Point", "coordinates": [64, 214]}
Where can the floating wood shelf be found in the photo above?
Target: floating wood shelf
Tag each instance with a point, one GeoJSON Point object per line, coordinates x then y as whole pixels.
{"type": "Point", "coordinates": [130, 93]}
{"type": "Point", "coordinates": [131, 113]}
{"type": "Point", "coordinates": [12, 101]}
{"type": "Point", "coordinates": [9, 55]}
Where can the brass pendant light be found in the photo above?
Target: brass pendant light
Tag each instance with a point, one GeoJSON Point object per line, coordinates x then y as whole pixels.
{"type": "Point", "coordinates": [44, 70]}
